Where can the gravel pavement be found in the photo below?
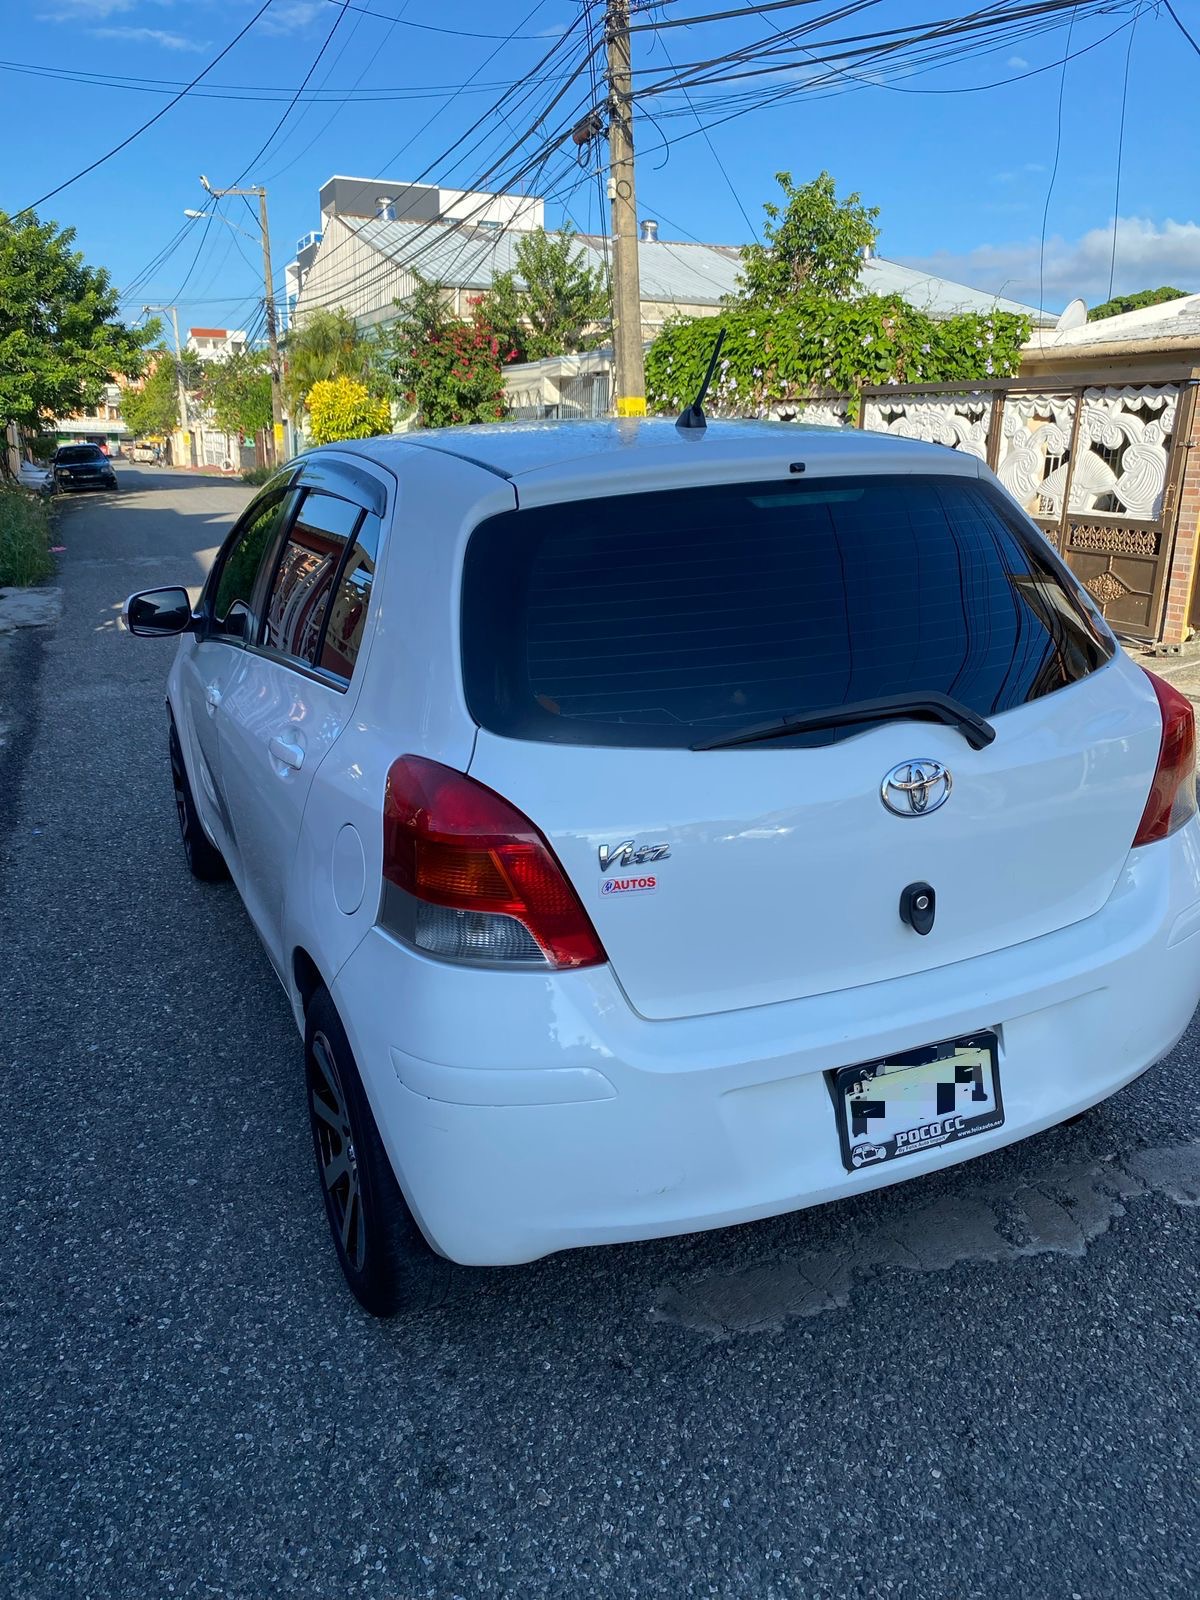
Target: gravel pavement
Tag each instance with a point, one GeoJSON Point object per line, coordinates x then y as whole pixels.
{"type": "Point", "coordinates": [977, 1384]}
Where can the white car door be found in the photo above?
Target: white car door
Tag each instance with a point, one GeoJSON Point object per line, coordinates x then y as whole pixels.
{"type": "Point", "coordinates": [294, 688]}
{"type": "Point", "coordinates": [210, 659]}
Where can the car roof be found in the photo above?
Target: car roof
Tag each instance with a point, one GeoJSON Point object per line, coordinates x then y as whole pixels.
{"type": "Point", "coordinates": [568, 450]}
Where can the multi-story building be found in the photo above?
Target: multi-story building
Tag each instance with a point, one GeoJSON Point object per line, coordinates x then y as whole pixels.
{"type": "Point", "coordinates": [215, 344]}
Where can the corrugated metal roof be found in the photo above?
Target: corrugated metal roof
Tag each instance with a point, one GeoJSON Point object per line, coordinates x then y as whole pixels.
{"type": "Point", "coordinates": [672, 271]}
{"type": "Point", "coordinates": [939, 297]}
{"type": "Point", "coordinates": [1177, 320]}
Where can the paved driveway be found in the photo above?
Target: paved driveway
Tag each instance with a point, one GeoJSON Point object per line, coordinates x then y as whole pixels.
{"type": "Point", "coordinates": [979, 1384]}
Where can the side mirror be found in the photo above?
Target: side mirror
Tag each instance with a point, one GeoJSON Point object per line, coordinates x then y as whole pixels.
{"type": "Point", "coordinates": [158, 613]}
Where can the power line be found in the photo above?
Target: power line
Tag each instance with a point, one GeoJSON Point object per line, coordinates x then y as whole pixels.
{"type": "Point", "coordinates": [291, 105]}
{"type": "Point", "coordinates": [476, 184]}
{"type": "Point", "coordinates": [428, 27]}
{"type": "Point", "coordinates": [1112, 264]}
{"type": "Point", "coordinates": [256, 92]}
{"type": "Point", "coordinates": [158, 115]}
{"type": "Point", "coordinates": [1175, 19]}
{"type": "Point", "coordinates": [328, 123]}
{"type": "Point", "coordinates": [1062, 84]}
{"type": "Point", "coordinates": [713, 150]}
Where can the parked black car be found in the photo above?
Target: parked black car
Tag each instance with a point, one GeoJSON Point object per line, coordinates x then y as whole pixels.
{"type": "Point", "coordinates": [83, 466]}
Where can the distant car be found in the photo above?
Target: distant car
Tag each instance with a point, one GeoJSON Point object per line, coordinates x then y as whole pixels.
{"type": "Point", "coordinates": [144, 452]}
{"type": "Point", "coordinates": [36, 477]}
{"type": "Point", "coordinates": [83, 466]}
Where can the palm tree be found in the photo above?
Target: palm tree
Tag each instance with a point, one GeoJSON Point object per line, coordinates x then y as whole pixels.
{"type": "Point", "coordinates": [327, 344]}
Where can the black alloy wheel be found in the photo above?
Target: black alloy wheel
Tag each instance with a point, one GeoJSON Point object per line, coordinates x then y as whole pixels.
{"type": "Point", "coordinates": [204, 860]}
{"type": "Point", "coordinates": [383, 1254]}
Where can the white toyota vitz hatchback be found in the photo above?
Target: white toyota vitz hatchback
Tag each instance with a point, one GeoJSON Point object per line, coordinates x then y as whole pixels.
{"type": "Point", "coordinates": [658, 829]}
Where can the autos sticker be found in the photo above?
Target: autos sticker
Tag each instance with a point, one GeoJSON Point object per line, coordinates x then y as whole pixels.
{"type": "Point", "coordinates": [640, 885]}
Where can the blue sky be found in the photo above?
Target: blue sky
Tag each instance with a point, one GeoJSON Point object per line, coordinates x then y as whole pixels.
{"type": "Point", "coordinates": [961, 178]}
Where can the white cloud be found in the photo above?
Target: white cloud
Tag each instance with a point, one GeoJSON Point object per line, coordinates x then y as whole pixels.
{"type": "Point", "coordinates": [1148, 254]}
{"type": "Point", "coordinates": [1018, 174]}
{"type": "Point", "coordinates": [169, 41]}
{"type": "Point", "coordinates": [292, 16]}
{"type": "Point", "coordinates": [1018, 62]}
{"type": "Point", "coordinates": [89, 10]}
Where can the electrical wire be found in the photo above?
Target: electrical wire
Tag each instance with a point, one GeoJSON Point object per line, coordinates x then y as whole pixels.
{"type": "Point", "coordinates": [1062, 84]}
{"type": "Point", "coordinates": [158, 115]}
{"type": "Point", "coordinates": [256, 92]}
{"type": "Point", "coordinates": [737, 199]}
{"type": "Point", "coordinates": [1112, 263]}
{"type": "Point", "coordinates": [1175, 19]}
{"type": "Point", "coordinates": [328, 123]}
{"type": "Point", "coordinates": [291, 105]}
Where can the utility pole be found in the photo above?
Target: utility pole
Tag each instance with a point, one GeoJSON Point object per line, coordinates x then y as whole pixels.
{"type": "Point", "coordinates": [268, 308]}
{"type": "Point", "coordinates": [630, 383]}
{"type": "Point", "coordinates": [184, 430]}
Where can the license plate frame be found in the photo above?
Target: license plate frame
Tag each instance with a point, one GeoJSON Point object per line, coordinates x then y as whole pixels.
{"type": "Point", "coordinates": [970, 1061]}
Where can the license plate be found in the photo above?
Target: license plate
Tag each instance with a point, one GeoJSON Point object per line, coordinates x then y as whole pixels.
{"type": "Point", "coordinates": [919, 1100]}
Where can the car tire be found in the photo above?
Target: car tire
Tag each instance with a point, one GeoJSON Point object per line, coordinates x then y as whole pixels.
{"type": "Point", "coordinates": [204, 860]}
{"type": "Point", "coordinates": [382, 1252]}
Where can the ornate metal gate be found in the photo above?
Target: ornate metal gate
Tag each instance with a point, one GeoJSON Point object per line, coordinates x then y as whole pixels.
{"type": "Point", "coordinates": [1098, 468]}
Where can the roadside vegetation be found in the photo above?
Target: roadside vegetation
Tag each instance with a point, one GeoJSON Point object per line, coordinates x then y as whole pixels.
{"type": "Point", "coordinates": [25, 556]}
{"type": "Point", "coordinates": [257, 475]}
{"type": "Point", "coordinates": [799, 326]}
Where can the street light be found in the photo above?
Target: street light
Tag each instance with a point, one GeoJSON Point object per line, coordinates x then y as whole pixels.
{"type": "Point", "coordinates": [268, 302]}
{"type": "Point", "coordinates": [213, 216]}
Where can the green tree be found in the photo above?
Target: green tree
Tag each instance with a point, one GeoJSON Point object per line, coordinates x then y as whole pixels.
{"type": "Point", "coordinates": [61, 339]}
{"type": "Point", "coordinates": [445, 369]}
{"type": "Point", "coordinates": [1134, 302]}
{"type": "Point", "coordinates": [327, 344]}
{"type": "Point", "coordinates": [341, 408]}
{"type": "Point", "coordinates": [814, 344]}
{"type": "Point", "coordinates": [551, 303]}
{"type": "Point", "coordinates": [238, 392]}
{"type": "Point", "coordinates": [814, 242]}
{"type": "Point", "coordinates": [154, 408]}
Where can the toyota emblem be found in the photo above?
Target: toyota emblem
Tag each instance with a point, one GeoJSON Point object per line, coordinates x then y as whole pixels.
{"type": "Point", "coordinates": [915, 788]}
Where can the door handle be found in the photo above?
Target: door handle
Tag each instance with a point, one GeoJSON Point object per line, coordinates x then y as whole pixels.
{"type": "Point", "coordinates": [212, 697]}
{"type": "Point", "coordinates": [292, 755]}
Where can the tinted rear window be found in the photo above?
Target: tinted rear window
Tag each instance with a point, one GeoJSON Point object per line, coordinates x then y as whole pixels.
{"type": "Point", "coordinates": [657, 619]}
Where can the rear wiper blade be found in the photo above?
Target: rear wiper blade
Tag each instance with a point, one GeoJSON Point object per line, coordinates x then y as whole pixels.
{"type": "Point", "coordinates": [976, 730]}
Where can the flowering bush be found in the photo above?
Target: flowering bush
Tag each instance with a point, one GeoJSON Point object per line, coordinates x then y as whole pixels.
{"type": "Point", "coordinates": [339, 408]}
{"type": "Point", "coordinates": [812, 345]}
{"type": "Point", "coordinates": [446, 370]}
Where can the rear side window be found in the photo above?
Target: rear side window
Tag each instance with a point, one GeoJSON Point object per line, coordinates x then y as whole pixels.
{"type": "Point", "coordinates": [656, 619]}
{"type": "Point", "coordinates": [304, 578]}
{"type": "Point", "coordinates": [348, 607]}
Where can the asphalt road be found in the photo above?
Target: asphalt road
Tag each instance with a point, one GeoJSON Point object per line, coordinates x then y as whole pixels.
{"type": "Point", "coordinates": [978, 1384]}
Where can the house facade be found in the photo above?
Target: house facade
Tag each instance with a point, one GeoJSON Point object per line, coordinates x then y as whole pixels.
{"type": "Point", "coordinates": [377, 236]}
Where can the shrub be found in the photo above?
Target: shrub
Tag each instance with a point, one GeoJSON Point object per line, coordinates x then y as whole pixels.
{"type": "Point", "coordinates": [257, 475]}
{"type": "Point", "coordinates": [339, 408]}
{"type": "Point", "coordinates": [24, 539]}
{"type": "Point", "coordinates": [815, 345]}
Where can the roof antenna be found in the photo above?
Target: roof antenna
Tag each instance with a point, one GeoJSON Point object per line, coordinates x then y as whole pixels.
{"type": "Point", "coordinates": [693, 416]}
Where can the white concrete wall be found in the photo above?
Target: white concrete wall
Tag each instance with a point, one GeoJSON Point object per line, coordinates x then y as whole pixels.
{"type": "Point", "coordinates": [509, 210]}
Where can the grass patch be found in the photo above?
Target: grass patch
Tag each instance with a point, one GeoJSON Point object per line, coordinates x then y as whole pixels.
{"type": "Point", "coordinates": [24, 539]}
{"type": "Point", "coordinates": [257, 475]}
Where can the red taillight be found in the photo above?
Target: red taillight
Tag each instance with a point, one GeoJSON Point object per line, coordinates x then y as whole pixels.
{"type": "Point", "coordinates": [1173, 792]}
{"type": "Point", "coordinates": [449, 841]}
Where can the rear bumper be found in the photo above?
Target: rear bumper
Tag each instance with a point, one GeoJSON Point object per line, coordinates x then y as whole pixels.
{"type": "Point", "coordinates": [526, 1113]}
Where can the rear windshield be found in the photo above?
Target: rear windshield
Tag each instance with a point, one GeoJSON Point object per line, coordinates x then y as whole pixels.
{"type": "Point", "coordinates": [657, 619]}
{"type": "Point", "coordinates": [80, 452]}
